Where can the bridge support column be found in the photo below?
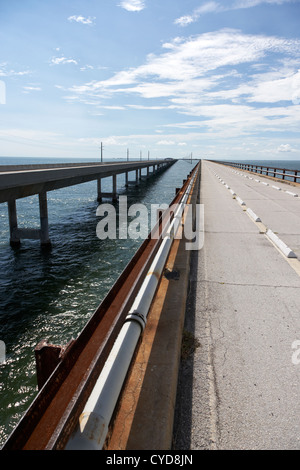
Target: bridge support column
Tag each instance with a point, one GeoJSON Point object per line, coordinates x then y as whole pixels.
{"type": "Point", "coordinates": [135, 181]}
{"type": "Point", "coordinates": [44, 231]}
{"type": "Point", "coordinates": [99, 193]}
{"type": "Point", "coordinates": [13, 223]}
{"type": "Point", "coordinates": [114, 193]}
{"type": "Point", "coordinates": [16, 233]}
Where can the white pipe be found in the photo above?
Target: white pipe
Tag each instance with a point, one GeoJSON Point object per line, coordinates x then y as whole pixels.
{"type": "Point", "coordinates": [92, 429]}
{"type": "Point", "coordinates": [94, 420]}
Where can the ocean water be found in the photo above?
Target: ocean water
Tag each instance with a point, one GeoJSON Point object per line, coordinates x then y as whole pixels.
{"type": "Point", "coordinates": [52, 294]}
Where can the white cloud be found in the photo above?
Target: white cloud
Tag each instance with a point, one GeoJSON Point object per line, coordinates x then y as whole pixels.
{"type": "Point", "coordinates": [185, 20]}
{"type": "Point", "coordinates": [86, 67]}
{"type": "Point", "coordinates": [28, 134]}
{"type": "Point", "coordinates": [253, 3]}
{"type": "Point", "coordinates": [140, 140]}
{"type": "Point", "coordinates": [28, 89]}
{"type": "Point", "coordinates": [116, 108]}
{"type": "Point", "coordinates": [133, 5]}
{"type": "Point", "coordinates": [209, 7]}
{"type": "Point", "coordinates": [62, 60]}
{"type": "Point", "coordinates": [215, 7]}
{"type": "Point", "coordinates": [2, 92]}
{"type": "Point", "coordinates": [296, 88]}
{"type": "Point", "coordinates": [82, 19]}
{"type": "Point", "coordinates": [220, 79]}
{"type": "Point", "coordinates": [139, 106]}
{"type": "Point", "coordinates": [226, 120]}
{"type": "Point", "coordinates": [190, 67]}
{"type": "Point", "coordinates": [6, 72]}
{"type": "Point", "coordinates": [269, 87]}
{"type": "Point", "coordinates": [285, 148]}
{"type": "Point", "coordinates": [166, 142]}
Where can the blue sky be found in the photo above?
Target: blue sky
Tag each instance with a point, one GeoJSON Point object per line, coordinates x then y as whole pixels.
{"type": "Point", "coordinates": [216, 79]}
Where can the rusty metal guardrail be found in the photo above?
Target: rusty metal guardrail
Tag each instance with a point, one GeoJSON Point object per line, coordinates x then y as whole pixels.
{"type": "Point", "coordinates": [53, 415]}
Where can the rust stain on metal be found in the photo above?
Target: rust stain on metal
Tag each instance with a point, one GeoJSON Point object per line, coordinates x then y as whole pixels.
{"type": "Point", "coordinates": [129, 400]}
{"type": "Point", "coordinates": [154, 273]}
{"type": "Point", "coordinates": [126, 430]}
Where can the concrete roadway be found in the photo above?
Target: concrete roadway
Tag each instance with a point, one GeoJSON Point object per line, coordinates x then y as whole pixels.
{"type": "Point", "coordinates": [240, 389]}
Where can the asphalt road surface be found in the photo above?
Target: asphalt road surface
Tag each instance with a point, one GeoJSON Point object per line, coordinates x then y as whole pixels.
{"type": "Point", "coordinates": [240, 389]}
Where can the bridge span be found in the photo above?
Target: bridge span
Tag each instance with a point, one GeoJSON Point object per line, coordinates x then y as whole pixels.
{"type": "Point", "coordinates": [240, 388]}
{"type": "Point", "coordinates": [19, 181]}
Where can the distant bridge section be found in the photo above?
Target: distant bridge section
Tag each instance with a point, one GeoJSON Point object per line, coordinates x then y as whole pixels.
{"type": "Point", "coordinates": [19, 181]}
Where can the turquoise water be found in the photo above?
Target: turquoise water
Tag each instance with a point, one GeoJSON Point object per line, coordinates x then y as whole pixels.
{"type": "Point", "coordinates": [52, 294]}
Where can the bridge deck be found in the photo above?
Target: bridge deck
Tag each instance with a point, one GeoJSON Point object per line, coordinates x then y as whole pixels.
{"type": "Point", "coordinates": [22, 181]}
{"type": "Point", "coordinates": [241, 390]}
{"type": "Point", "coordinates": [25, 181]}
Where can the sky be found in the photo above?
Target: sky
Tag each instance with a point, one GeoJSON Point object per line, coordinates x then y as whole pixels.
{"type": "Point", "coordinates": [157, 78]}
